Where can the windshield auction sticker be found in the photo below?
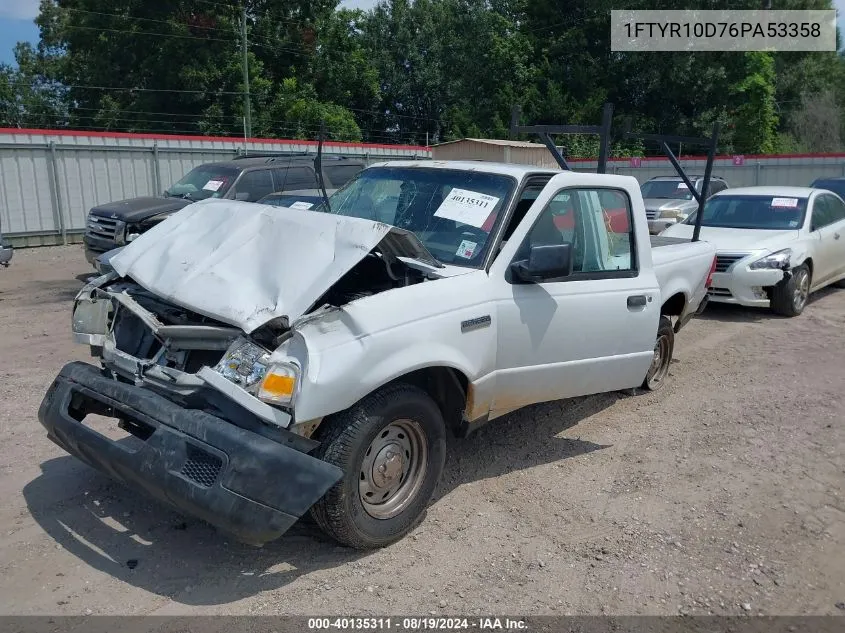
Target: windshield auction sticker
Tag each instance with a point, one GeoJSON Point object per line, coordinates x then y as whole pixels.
{"type": "Point", "coordinates": [784, 203]}
{"type": "Point", "coordinates": [723, 30]}
{"type": "Point", "coordinates": [304, 206]}
{"type": "Point", "coordinates": [467, 207]}
{"type": "Point", "coordinates": [213, 185]}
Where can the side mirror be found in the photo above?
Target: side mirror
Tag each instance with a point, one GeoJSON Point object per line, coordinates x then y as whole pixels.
{"type": "Point", "coordinates": [243, 197]}
{"type": "Point", "coordinates": [544, 262]}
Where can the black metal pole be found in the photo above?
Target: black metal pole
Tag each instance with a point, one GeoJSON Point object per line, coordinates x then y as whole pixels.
{"type": "Point", "coordinates": [705, 186]}
{"type": "Point", "coordinates": [668, 151]}
{"type": "Point", "coordinates": [604, 137]}
{"type": "Point", "coordinates": [516, 114]}
{"type": "Point", "coordinates": [550, 145]}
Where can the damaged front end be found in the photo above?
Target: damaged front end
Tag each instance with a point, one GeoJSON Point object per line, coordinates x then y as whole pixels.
{"type": "Point", "coordinates": [185, 388]}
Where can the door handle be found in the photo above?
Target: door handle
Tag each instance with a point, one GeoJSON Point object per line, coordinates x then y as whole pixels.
{"type": "Point", "coordinates": [636, 301]}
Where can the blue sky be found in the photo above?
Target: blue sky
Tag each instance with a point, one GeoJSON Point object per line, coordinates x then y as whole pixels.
{"type": "Point", "coordinates": [16, 22]}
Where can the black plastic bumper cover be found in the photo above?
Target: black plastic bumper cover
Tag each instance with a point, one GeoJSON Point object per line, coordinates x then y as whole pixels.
{"type": "Point", "coordinates": [245, 484]}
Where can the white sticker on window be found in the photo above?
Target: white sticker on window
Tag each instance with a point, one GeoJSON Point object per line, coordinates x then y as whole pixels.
{"type": "Point", "coordinates": [466, 249]}
{"type": "Point", "coordinates": [785, 203]}
{"type": "Point", "coordinates": [467, 207]}
{"type": "Point", "coordinates": [682, 185]}
{"type": "Point", "coordinates": [301, 205]}
{"type": "Point", "coordinates": [213, 185]}
{"type": "Point", "coordinates": [793, 224]}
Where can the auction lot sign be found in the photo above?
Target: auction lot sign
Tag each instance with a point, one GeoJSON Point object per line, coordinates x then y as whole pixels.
{"type": "Point", "coordinates": [710, 30]}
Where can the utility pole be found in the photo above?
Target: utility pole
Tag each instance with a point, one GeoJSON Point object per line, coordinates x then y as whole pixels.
{"type": "Point", "coordinates": [247, 112]}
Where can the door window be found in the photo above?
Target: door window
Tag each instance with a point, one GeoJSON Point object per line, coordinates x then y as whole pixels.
{"type": "Point", "coordinates": [254, 185]}
{"type": "Point", "coordinates": [824, 212]}
{"type": "Point", "coordinates": [292, 178]}
{"type": "Point", "coordinates": [598, 224]}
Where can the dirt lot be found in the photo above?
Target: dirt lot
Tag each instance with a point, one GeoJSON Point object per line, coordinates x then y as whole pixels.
{"type": "Point", "coordinates": [723, 493]}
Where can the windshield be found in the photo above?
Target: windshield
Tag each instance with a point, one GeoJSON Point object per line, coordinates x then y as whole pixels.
{"type": "Point", "coordinates": [453, 213]}
{"type": "Point", "coordinates": [753, 212]}
{"type": "Point", "coordinates": [836, 186]}
{"type": "Point", "coordinates": [668, 189]}
{"type": "Point", "coordinates": [205, 181]}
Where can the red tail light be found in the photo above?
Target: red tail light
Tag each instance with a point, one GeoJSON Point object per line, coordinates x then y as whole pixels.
{"type": "Point", "coordinates": [710, 274]}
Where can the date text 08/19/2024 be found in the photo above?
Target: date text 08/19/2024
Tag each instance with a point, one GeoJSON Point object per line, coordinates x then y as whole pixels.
{"type": "Point", "coordinates": [416, 624]}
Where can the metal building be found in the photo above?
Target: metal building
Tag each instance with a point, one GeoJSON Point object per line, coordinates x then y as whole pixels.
{"type": "Point", "coordinates": [49, 179]}
{"type": "Point", "coordinates": [495, 150]}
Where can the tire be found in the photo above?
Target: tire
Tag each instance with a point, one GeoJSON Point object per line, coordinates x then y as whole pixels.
{"type": "Point", "coordinates": [362, 441]}
{"type": "Point", "coordinates": [839, 284]}
{"type": "Point", "coordinates": [664, 345]}
{"type": "Point", "coordinates": [789, 298]}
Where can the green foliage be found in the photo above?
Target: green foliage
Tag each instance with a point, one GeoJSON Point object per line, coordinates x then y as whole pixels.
{"type": "Point", "coordinates": [409, 71]}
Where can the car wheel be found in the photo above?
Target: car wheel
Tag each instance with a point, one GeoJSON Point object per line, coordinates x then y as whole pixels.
{"type": "Point", "coordinates": [790, 297]}
{"type": "Point", "coordinates": [663, 348]}
{"type": "Point", "coordinates": [391, 447]}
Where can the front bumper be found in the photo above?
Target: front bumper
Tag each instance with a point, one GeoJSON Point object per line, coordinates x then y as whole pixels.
{"type": "Point", "coordinates": [742, 286]}
{"type": "Point", "coordinates": [250, 486]}
{"type": "Point", "coordinates": [95, 246]}
{"type": "Point", "coordinates": [6, 253]}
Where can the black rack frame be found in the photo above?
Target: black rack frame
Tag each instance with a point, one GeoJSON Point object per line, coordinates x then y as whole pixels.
{"type": "Point", "coordinates": [605, 134]}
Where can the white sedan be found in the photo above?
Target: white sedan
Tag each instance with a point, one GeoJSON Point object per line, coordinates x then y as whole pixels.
{"type": "Point", "coordinates": [774, 245]}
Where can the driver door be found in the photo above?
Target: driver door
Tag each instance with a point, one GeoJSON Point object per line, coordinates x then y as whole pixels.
{"type": "Point", "coordinates": [593, 330]}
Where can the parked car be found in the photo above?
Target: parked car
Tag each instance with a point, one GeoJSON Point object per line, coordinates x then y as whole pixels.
{"type": "Point", "coordinates": [668, 200]}
{"type": "Point", "coordinates": [268, 364]}
{"type": "Point", "coordinates": [834, 184]}
{"type": "Point", "coordinates": [6, 251]}
{"type": "Point", "coordinates": [247, 178]}
{"type": "Point", "coordinates": [300, 199]}
{"type": "Point", "coordinates": [774, 245]}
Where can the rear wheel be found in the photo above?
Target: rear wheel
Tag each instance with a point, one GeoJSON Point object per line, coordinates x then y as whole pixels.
{"type": "Point", "coordinates": [391, 447]}
{"type": "Point", "coordinates": [790, 297]}
{"type": "Point", "coordinates": [663, 348]}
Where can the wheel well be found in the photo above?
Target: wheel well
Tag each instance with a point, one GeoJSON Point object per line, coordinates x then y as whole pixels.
{"type": "Point", "coordinates": [674, 306]}
{"type": "Point", "coordinates": [809, 263]}
{"type": "Point", "coordinates": [447, 387]}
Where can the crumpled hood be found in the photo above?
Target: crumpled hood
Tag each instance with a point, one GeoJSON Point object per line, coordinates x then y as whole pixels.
{"type": "Point", "coordinates": [245, 263]}
{"type": "Point", "coordinates": [736, 240]}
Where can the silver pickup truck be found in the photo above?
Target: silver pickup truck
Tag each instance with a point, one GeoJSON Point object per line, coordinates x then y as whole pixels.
{"type": "Point", "coordinates": [269, 361]}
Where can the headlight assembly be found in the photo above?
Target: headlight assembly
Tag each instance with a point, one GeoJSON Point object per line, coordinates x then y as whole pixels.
{"type": "Point", "coordinates": [244, 364]}
{"type": "Point", "coordinates": [775, 261]}
{"type": "Point", "coordinates": [669, 214]}
{"type": "Point", "coordinates": [247, 365]}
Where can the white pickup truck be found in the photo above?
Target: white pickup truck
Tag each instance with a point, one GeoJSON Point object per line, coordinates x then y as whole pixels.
{"type": "Point", "coordinates": [265, 361]}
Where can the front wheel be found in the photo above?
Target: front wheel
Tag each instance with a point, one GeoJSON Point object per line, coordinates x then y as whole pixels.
{"type": "Point", "coordinates": [663, 348]}
{"type": "Point", "coordinates": [790, 297]}
{"type": "Point", "coordinates": [391, 447]}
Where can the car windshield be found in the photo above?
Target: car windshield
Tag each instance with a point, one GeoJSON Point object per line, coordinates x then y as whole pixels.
{"type": "Point", "coordinates": [776, 213]}
{"type": "Point", "coordinates": [836, 186]}
{"type": "Point", "coordinates": [668, 189]}
{"type": "Point", "coordinates": [205, 181]}
{"type": "Point", "coordinates": [452, 212]}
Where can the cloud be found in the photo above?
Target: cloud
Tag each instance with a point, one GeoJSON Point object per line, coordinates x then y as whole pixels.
{"type": "Point", "coordinates": [18, 9]}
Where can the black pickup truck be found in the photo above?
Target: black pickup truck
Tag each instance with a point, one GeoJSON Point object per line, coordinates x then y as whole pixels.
{"type": "Point", "coordinates": [115, 224]}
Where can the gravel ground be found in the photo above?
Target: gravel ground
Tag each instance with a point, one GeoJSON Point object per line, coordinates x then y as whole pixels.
{"type": "Point", "coordinates": [721, 494]}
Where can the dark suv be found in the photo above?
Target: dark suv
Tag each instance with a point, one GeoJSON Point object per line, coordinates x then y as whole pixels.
{"type": "Point", "coordinates": [115, 224]}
